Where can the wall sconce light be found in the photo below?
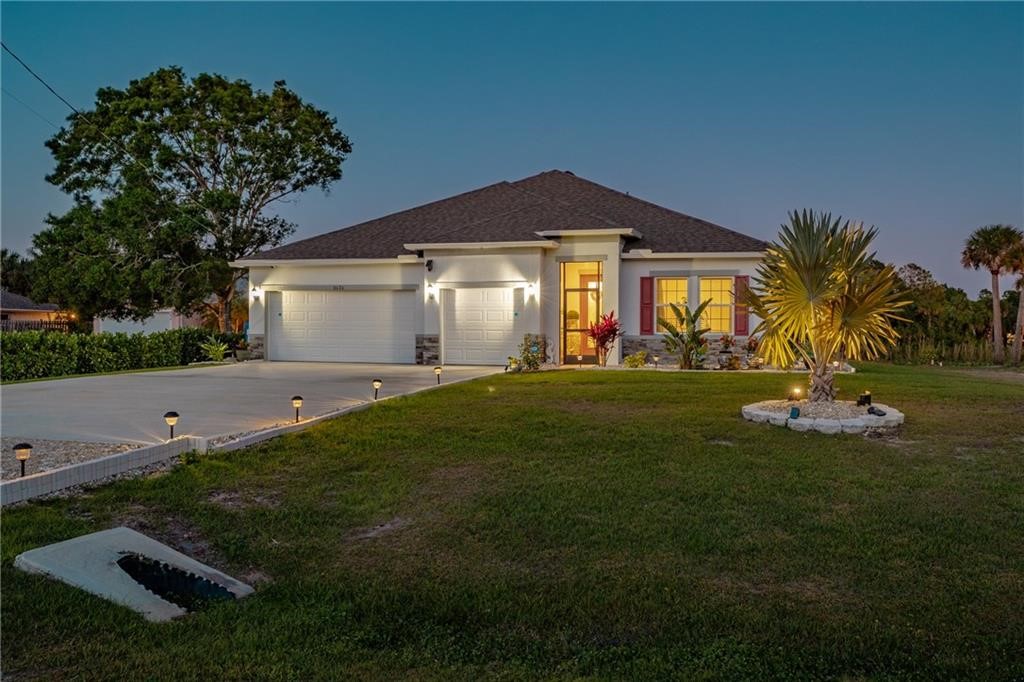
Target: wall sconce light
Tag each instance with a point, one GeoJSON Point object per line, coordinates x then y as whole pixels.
{"type": "Point", "coordinates": [437, 372]}
{"type": "Point", "coordinates": [530, 290]}
{"type": "Point", "coordinates": [255, 293]}
{"type": "Point", "coordinates": [432, 292]}
{"type": "Point", "coordinates": [377, 383]}
{"type": "Point", "coordinates": [22, 451]}
{"type": "Point", "coordinates": [794, 393]}
{"type": "Point", "coordinates": [430, 265]}
{"type": "Point", "coordinates": [296, 403]}
{"type": "Point", "coordinates": [171, 418]}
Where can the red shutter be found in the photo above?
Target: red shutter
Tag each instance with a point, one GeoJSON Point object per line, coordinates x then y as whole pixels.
{"type": "Point", "coordinates": [742, 316]}
{"type": "Point", "coordinates": [647, 305]}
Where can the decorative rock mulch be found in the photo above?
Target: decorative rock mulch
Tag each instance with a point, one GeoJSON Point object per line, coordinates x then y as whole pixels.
{"type": "Point", "coordinates": [50, 454]}
{"type": "Point", "coordinates": [834, 417]}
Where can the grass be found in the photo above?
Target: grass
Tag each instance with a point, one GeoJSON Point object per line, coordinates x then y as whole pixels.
{"type": "Point", "coordinates": [572, 524]}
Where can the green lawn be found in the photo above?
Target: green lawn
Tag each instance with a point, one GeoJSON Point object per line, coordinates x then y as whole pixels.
{"type": "Point", "coordinates": [573, 524]}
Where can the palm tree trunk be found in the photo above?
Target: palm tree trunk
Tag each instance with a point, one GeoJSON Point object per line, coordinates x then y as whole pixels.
{"type": "Point", "coordinates": [1018, 331]}
{"type": "Point", "coordinates": [998, 347]}
{"type": "Point", "coordinates": [823, 389]}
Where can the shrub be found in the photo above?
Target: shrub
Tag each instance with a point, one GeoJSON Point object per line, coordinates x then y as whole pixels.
{"type": "Point", "coordinates": [636, 360]}
{"type": "Point", "coordinates": [604, 332]}
{"type": "Point", "coordinates": [41, 354]}
{"type": "Point", "coordinates": [214, 349]}
{"type": "Point", "coordinates": [532, 353]}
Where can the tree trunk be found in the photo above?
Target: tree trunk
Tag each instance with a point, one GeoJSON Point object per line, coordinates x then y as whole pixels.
{"type": "Point", "coordinates": [998, 346]}
{"type": "Point", "coordinates": [1018, 331]}
{"type": "Point", "coordinates": [225, 313]}
{"type": "Point", "coordinates": [823, 389]}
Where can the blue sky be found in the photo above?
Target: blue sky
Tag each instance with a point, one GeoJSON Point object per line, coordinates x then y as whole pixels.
{"type": "Point", "coordinates": [907, 116]}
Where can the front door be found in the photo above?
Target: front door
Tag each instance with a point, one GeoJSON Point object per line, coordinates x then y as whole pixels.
{"type": "Point", "coordinates": [581, 307]}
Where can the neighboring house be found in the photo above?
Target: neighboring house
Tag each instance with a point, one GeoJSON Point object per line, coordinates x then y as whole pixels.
{"type": "Point", "coordinates": [464, 280]}
{"type": "Point", "coordinates": [159, 321]}
{"type": "Point", "coordinates": [21, 312]}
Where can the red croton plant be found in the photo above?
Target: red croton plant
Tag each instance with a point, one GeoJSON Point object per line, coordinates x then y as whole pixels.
{"type": "Point", "coordinates": [604, 332]}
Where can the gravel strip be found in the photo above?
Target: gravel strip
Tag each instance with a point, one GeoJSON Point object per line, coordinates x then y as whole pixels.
{"type": "Point", "coordinates": [141, 472]}
{"type": "Point", "coordinates": [51, 454]}
{"type": "Point", "coordinates": [220, 440]}
{"type": "Point", "coordinates": [839, 409]}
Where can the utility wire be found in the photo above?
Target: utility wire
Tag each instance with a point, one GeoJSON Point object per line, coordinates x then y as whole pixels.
{"type": "Point", "coordinates": [24, 104]}
{"type": "Point", "coordinates": [100, 131]}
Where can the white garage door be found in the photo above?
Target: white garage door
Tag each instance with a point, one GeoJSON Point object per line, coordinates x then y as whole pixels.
{"type": "Point", "coordinates": [342, 326]}
{"type": "Point", "coordinates": [478, 326]}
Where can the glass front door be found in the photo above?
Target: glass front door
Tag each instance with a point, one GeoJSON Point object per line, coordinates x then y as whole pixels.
{"type": "Point", "coordinates": [581, 307]}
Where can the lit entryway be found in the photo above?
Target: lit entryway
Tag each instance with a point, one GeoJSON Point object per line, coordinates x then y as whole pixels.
{"type": "Point", "coordinates": [342, 326]}
{"type": "Point", "coordinates": [478, 326]}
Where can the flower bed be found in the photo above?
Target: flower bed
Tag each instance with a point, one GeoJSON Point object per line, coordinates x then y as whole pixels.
{"type": "Point", "coordinates": [835, 417]}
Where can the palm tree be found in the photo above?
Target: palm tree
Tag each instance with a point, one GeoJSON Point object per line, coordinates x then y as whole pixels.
{"type": "Point", "coordinates": [1015, 264]}
{"type": "Point", "coordinates": [987, 248]}
{"type": "Point", "coordinates": [822, 296]}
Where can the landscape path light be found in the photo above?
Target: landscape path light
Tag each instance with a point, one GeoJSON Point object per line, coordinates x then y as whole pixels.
{"type": "Point", "coordinates": [579, 359]}
{"type": "Point", "coordinates": [22, 451]}
{"type": "Point", "coordinates": [657, 359]}
{"type": "Point", "coordinates": [171, 418]}
{"type": "Point", "coordinates": [437, 372]}
{"type": "Point", "coordinates": [296, 403]}
{"type": "Point", "coordinates": [377, 383]}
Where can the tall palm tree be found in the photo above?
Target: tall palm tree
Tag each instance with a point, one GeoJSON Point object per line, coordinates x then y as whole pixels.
{"type": "Point", "coordinates": [1015, 264]}
{"type": "Point", "coordinates": [821, 296]}
{"type": "Point", "coordinates": [987, 248]}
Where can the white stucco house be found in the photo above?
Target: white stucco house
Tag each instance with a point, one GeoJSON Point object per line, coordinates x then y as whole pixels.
{"type": "Point", "coordinates": [464, 280]}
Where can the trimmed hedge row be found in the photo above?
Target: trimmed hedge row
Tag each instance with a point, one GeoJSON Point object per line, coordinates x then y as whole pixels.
{"type": "Point", "coordinates": [41, 354]}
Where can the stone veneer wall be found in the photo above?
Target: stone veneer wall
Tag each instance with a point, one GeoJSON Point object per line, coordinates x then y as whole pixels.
{"type": "Point", "coordinates": [256, 346]}
{"type": "Point", "coordinates": [428, 349]}
{"type": "Point", "coordinates": [717, 357]}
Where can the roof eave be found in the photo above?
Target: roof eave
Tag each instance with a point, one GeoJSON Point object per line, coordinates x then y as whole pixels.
{"type": "Point", "coordinates": [313, 262]}
{"type": "Point", "coordinates": [640, 254]}
{"type": "Point", "coordinates": [596, 232]}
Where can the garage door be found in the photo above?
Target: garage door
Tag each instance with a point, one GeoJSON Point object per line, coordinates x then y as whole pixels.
{"type": "Point", "coordinates": [342, 326]}
{"type": "Point", "coordinates": [478, 326]}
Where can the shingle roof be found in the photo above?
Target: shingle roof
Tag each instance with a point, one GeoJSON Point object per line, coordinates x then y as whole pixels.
{"type": "Point", "coordinates": [516, 211]}
{"type": "Point", "coordinates": [10, 301]}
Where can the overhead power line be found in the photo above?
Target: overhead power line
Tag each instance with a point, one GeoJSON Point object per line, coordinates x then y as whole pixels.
{"type": "Point", "coordinates": [27, 106]}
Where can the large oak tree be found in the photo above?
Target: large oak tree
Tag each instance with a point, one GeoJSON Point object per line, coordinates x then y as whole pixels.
{"type": "Point", "coordinates": [173, 178]}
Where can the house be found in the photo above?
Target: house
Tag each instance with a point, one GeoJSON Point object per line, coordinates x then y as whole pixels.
{"type": "Point", "coordinates": [161, 320]}
{"type": "Point", "coordinates": [21, 312]}
{"type": "Point", "coordinates": [465, 280]}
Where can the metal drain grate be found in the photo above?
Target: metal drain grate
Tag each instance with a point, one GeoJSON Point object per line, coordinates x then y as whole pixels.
{"type": "Point", "coordinates": [187, 590]}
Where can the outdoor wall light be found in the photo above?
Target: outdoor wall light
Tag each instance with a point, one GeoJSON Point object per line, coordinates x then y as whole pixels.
{"type": "Point", "coordinates": [377, 383]}
{"type": "Point", "coordinates": [437, 372]}
{"type": "Point", "coordinates": [22, 451]}
{"type": "Point", "coordinates": [579, 359]}
{"type": "Point", "coordinates": [530, 290]}
{"type": "Point", "coordinates": [171, 418]}
{"type": "Point", "coordinates": [296, 403]}
{"type": "Point", "coordinates": [794, 393]}
{"type": "Point", "coordinates": [432, 291]}
{"type": "Point", "coordinates": [255, 293]}
{"type": "Point", "coordinates": [864, 399]}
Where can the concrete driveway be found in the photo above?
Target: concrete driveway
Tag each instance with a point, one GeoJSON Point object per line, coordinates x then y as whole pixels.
{"type": "Point", "coordinates": [212, 401]}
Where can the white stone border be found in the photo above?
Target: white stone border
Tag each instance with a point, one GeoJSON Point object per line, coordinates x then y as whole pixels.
{"type": "Point", "coordinates": [51, 481]}
{"type": "Point", "coordinates": [893, 417]}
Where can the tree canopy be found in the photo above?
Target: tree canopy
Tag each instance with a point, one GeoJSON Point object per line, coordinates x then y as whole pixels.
{"type": "Point", "coordinates": [174, 178]}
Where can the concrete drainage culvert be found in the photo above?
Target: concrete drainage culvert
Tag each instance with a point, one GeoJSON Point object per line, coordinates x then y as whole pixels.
{"type": "Point", "coordinates": [134, 570]}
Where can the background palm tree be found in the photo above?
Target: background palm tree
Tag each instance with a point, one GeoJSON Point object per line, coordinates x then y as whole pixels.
{"type": "Point", "coordinates": [1015, 264]}
{"type": "Point", "coordinates": [987, 247]}
{"type": "Point", "coordinates": [822, 296]}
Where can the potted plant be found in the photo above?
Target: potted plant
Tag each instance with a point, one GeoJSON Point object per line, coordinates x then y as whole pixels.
{"type": "Point", "coordinates": [242, 351]}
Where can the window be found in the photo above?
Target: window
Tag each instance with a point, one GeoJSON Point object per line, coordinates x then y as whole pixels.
{"type": "Point", "coordinates": [719, 313]}
{"type": "Point", "coordinates": [670, 290]}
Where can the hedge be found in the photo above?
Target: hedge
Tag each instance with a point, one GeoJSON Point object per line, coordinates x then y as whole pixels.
{"type": "Point", "coordinates": [41, 354]}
